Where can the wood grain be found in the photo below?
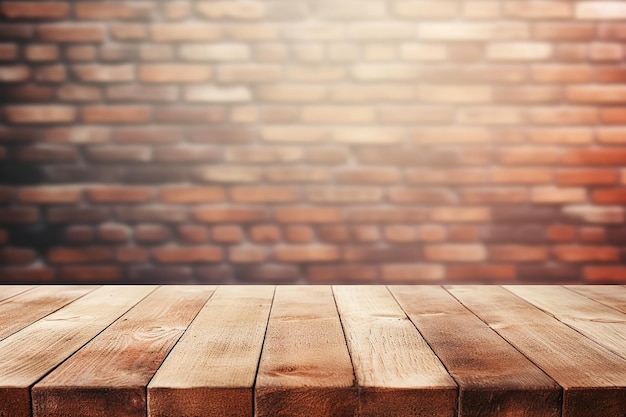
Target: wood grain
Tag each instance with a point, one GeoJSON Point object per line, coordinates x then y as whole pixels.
{"type": "Point", "coordinates": [26, 308]}
{"type": "Point", "coordinates": [28, 355]}
{"type": "Point", "coordinates": [397, 372]}
{"type": "Point", "coordinates": [593, 378]}
{"type": "Point", "coordinates": [604, 325]}
{"type": "Point", "coordinates": [108, 376]}
{"type": "Point", "coordinates": [613, 296]}
{"type": "Point", "coordinates": [211, 370]}
{"type": "Point", "coordinates": [494, 378]}
{"type": "Point", "coordinates": [8, 291]}
{"type": "Point", "coordinates": [305, 367]}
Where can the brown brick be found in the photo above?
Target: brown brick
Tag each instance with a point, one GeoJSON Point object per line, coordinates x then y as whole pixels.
{"type": "Point", "coordinates": [517, 253]}
{"type": "Point", "coordinates": [263, 194]}
{"type": "Point", "coordinates": [334, 233]}
{"type": "Point", "coordinates": [344, 195]}
{"type": "Point", "coordinates": [431, 233]}
{"type": "Point", "coordinates": [76, 214]}
{"type": "Point", "coordinates": [613, 116]}
{"type": "Point", "coordinates": [112, 10]}
{"type": "Point", "coordinates": [116, 114]}
{"type": "Point", "coordinates": [119, 194]}
{"type": "Point", "coordinates": [412, 273]}
{"type": "Point", "coordinates": [112, 154]}
{"type": "Point", "coordinates": [572, 253]}
{"type": "Point", "coordinates": [25, 275]}
{"type": "Point", "coordinates": [155, 214]}
{"type": "Point", "coordinates": [247, 10]}
{"type": "Point", "coordinates": [190, 195]}
{"type": "Point", "coordinates": [186, 255]}
{"type": "Point", "coordinates": [307, 215]}
{"type": "Point", "coordinates": [400, 233]}
{"type": "Point", "coordinates": [173, 32]}
{"type": "Point", "coordinates": [16, 256]}
{"type": "Point", "coordinates": [463, 233]}
{"type": "Point", "coordinates": [45, 153]}
{"type": "Point", "coordinates": [342, 274]}
{"type": "Point", "coordinates": [41, 53]}
{"type": "Point", "coordinates": [113, 233]}
{"type": "Point", "coordinates": [247, 254]}
{"type": "Point", "coordinates": [104, 73]}
{"type": "Point", "coordinates": [260, 155]}
{"type": "Point", "coordinates": [387, 215]}
{"type": "Point", "coordinates": [49, 195]}
{"type": "Point", "coordinates": [481, 273]}
{"type": "Point", "coordinates": [298, 175]}
{"type": "Point", "coordinates": [597, 274]}
{"type": "Point", "coordinates": [8, 51]}
{"type": "Point", "coordinates": [521, 176]}
{"type": "Point", "coordinates": [40, 114]}
{"type": "Point", "coordinates": [465, 176]}
{"type": "Point", "coordinates": [558, 195]}
{"type": "Point", "coordinates": [70, 32]}
{"type": "Point", "coordinates": [420, 196]}
{"type": "Point", "coordinates": [34, 10]}
{"type": "Point", "coordinates": [176, 155]}
{"type": "Point", "coordinates": [229, 214]}
{"type": "Point", "coordinates": [509, 195]}
{"type": "Point", "coordinates": [592, 235]}
{"type": "Point", "coordinates": [151, 233]}
{"type": "Point", "coordinates": [227, 234]}
{"type": "Point", "coordinates": [298, 234]}
{"type": "Point", "coordinates": [79, 93]}
{"type": "Point", "coordinates": [91, 274]}
{"type": "Point", "coordinates": [128, 32]}
{"type": "Point", "coordinates": [147, 134]}
{"type": "Point", "coordinates": [595, 214]}
{"type": "Point", "coordinates": [368, 176]}
{"type": "Point", "coordinates": [365, 233]}
{"type": "Point", "coordinates": [174, 73]}
{"type": "Point", "coordinates": [80, 53]}
{"type": "Point", "coordinates": [193, 233]}
{"type": "Point", "coordinates": [79, 234]}
{"type": "Point", "coordinates": [310, 253]}
{"type": "Point", "coordinates": [82, 255]}
{"type": "Point", "coordinates": [265, 233]}
{"type": "Point", "coordinates": [455, 252]}
{"type": "Point", "coordinates": [460, 214]}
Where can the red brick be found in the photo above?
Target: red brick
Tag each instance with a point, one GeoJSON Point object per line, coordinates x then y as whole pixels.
{"type": "Point", "coordinates": [42, 53]}
{"type": "Point", "coordinates": [174, 73]}
{"type": "Point", "coordinates": [4, 237]}
{"type": "Point", "coordinates": [34, 10]}
{"type": "Point", "coordinates": [190, 195]}
{"type": "Point", "coordinates": [112, 154]}
{"type": "Point", "coordinates": [172, 32]}
{"type": "Point", "coordinates": [592, 235]}
{"type": "Point", "coordinates": [25, 275]}
{"type": "Point", "coordinates": [150, 135]}
{"type": "Point", "coordinates": [455, 252]}
{"type": "Point", "coordinates": [420, 196]}
{"type": "Point", "coordinates": [365, 233]}
{"type": "Point", "coordinates": [193, 233]}
{"type": "Point", "coordinates": [298, 175]}
{"type": "Point", "coordinates": [263, 194]}
{"type": "Point", "coordinates": [51, 74]}
{"type": "Point", "coordinates": [8, 52]}
{"type": "Point", "coordinates": [82, 255]}
{"type": "Point", "coordinates": [151, 233]}
{"type": "Point", "coordinates": [70, 32]}
{"type": "Point", "coordinates": [572, 253]}
{"type": "Point", "coordinates": [368, 176]}
{"type": "Point", "coordinates": [112, 10]}
{"type": "Point", "coordinates": [309, 253]}
{"type": "Point", "coordinates": [563, 116]}
{"type": "Point", "coordinates": [128, 32]}
{"type": "Point", "coordinates": [177, 155]}
{"type": "Point", "coordinates": [334, 233]}
{"type": "Point", "coordinates": [307, 215]}
{"type": "Point", "coordinates": [76, 214]}
{"type": "Point", "coordinates": [116, 114]}
{"type": "Point", "coordinates": [460, 214]}
{"type": "Point", "coordinates": [247, 254]}
{"type": "Point", "coordinates": [606, 156]}
{"type": "Point", "coordinates": [615, 274]}
{"type": "Point", "coordinates": [613, 115]}
{"type": "Point", "coordinates": [259, 155]}
{"type": "Point", "coordinates": [345, 195]}
{"type": "Point", "coordinates": [560, 233]}
{"type": "Point", "coordinates": [481, 273]}
{"type": "Point", "coordinates": [299, 234]}
{"type": "Point", "coordinates": [611, 136]}
{"type": "Point", "coordinates": [586, 177]}
{"type": "Point", "coordinates": [399, 234]}
{"type": "Point", "coordinates": [509, 195]}
{"type": "Point", "coordinates": [150, 213]}
{"type": "Point", "coordinates": [609, 196]}
{"type": "Point", "coordinates": [448, 135]}
{"type": "Point", "coordinates": [77, 134]}
{"type": "Point", "coordinates": [119, 194]}
{"type": "Point", "coordinates": [49, 195]}
{"type": "Point", "coordinates": [558, 195]}
{"type": "Point", "coordinates": [80, 53]}
{"type": "Point", "coordinates": [227, 234]}
{"type": "Point", "coordinates": [463, 233]}
{"type": "Point", "coordinates": [265, 233]}
{"type": "Point", "coordinates": [104, 73]}
{"type": "Point", "coordinates": [387, 215]}
{"type": "Point", "coordinates": [342, 274]}
{"type": "Point", "coordinates": [79, 93]}
{"type": "Point", "coordinates": [186, 255]}
{"type": "Point", "coordinates": [16, 256]}
{"type": "Point", "coordinates": [113, 233]}
{"type": "Point", "coordinates": [229, 214]}
{"type": "Point", "coordinates": [563, 31]}
{"type": "Point", "coordinates": [458, 176]}
{"type": "Point", "coordinates": [79, 234]}
{"type": "Point", "coordinates": [517, 253]}
{"type": "Point", "coordinates": [521, 176]}
{"type": "Point", "coordinates": [91, 274]}
{"type": "Point", "coordinates": [412, 273]}
{"type": "Point", "coordinates": [40, 114]}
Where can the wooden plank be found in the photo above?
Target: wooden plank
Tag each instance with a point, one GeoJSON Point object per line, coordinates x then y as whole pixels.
{"type": "Point", "coordinates": [611, 295]}
{"type": "Point", "coordinates": [593, 378]}
{"type": "Point", "coordinates": [109, 375]}
{"type": "Point", "coordinates": [28, 307]}
{"type": "Point", "coordinates": [211, 370]}
{"type": "Point", "coordinates": [305, 367]}
{"type": "Point", "coordinates": [8, 291]}
{"type": "Point", "coordinates": [397, 373]}
{"type": "Point", "coordinates": [28, 355]}
{"type": "Point", "coordinates": [494, 378]}
{"type": "Point", "coordinates": [604, 325]}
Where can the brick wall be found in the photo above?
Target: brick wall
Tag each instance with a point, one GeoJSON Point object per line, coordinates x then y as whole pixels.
{"type": "Point", "coordinates": [313, 141]}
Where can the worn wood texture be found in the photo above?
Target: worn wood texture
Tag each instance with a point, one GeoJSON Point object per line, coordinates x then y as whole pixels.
{"type": "Point", "coordinates": [305, 367]}
{"type": "Point", "coordinates": [396, 371]}
{"type": "Point", "coordinates": [494, 378]}
{"type": "Point", "coordinates": [108, 377]}
{"type": "Point", "coordinates": [611, 295]}
{"type": "Point", "coordinates": [23, 309]}
{"type": "Point", "coordinates": [212, 369]}
{"type": "Point", "coordinates": [8, 291]}
{"type": "Point", "coordinates": [593, 378]}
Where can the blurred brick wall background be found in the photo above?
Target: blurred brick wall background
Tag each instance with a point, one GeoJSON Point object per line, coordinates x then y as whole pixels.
{"type": "Point", "coordinates": [312, 141]}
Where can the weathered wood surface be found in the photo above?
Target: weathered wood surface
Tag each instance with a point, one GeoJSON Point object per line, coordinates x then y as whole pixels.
{"type": "Point", "coordinates": [357, 351]}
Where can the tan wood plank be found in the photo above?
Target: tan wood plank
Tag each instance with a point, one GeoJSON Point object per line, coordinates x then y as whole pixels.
{"type": "Point", "coordinates": [592, 377]}
{"type": "Point", "coordinates": [26, 308]}
{"type": "Point", "coordinates": [211, 370]}
{"type": "Point", "coordinates": [8, 291]}
{"type": "Point", "coordinates": [109, 375]}
{"type": "Point", "coordinates": [305, 367]}
{"type": "Point", "coordinates": [397, 373]}
{"type": "Point", "coordinates": [602, 324]}
{"type": "Point", "coordinates": [494, 378]}
{"type": "Point", "coordinates": [611, 295]}
{"type": "Point", "coordinates": [28, 355]}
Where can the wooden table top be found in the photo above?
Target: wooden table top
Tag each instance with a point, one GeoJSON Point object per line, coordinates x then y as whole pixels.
{"type": "Point", "coordinates": [397, 351]}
